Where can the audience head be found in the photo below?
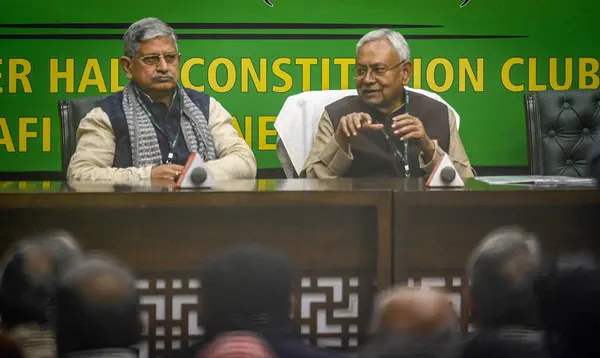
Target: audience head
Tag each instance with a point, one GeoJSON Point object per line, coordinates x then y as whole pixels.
{"type": "Point", "coordinates": [568, 293]}
{"type": "Point", "coordinates": [501, 270]}
{"type": "Point", "coordinates": [238, 344]}
{"type": "Point", "coordinates": [30, 273]}
{"type": "Point", "coordinates": [246, 288]}
{"type": "Point", "coordinates": [382, 69]}
{"type": "Point", "coordinates": [413, 310]}
{"type": "Point", "coordinates": [152, 56]}
{"type": "Point", "coordinates": [410, 322]}
{"type": "Point", "coordinates": [98, 306]}
{"type": "Point", "coordinates": [64, 249]}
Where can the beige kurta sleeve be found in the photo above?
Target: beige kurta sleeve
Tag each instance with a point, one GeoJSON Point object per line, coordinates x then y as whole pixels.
{"type": "Point", "coordinates": [235, 158]}
{"type": "Point", "coordinates": [456, 152]}
{"type": "Point", "coordinates": [94, 155]}
{"type": "Point", "coordinates": [326, 159]}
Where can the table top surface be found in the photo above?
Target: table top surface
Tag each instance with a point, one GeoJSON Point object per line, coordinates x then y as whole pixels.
{"type": "Point", "coordinates": [274, 185]}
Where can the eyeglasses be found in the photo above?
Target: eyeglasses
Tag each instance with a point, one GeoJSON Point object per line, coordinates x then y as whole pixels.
{"type": "Point", "coordinates": [377, 71]}
{"type": "Point", "coordinates": [153, 60]}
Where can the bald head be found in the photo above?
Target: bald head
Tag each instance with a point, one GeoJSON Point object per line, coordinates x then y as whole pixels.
{"type": "Point", "coordinates": [98, 306]}
{"type": "Point", "coordinates": [410, 322]}
{"type": "Point", "coordinates": [416, 311]}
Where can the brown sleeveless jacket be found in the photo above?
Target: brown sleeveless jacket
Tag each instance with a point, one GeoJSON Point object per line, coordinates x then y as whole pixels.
{"type": "Point", "coordinates": [372, 154]}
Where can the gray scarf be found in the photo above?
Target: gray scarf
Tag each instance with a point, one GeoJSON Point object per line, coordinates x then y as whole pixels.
{"type": "Point", "coordinates": [144, 141]}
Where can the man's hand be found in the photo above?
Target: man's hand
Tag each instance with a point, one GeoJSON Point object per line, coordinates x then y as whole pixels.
{"type": "Point", "coordinates": [408, 127]}
{"type": "Point", "coordinates": [166, 172]}
{"type": "Point", "coordinates": [352, 123]}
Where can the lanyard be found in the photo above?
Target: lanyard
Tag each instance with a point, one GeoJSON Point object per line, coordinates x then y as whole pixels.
{"type": "Point", "coordinates": [173, 143]}
{"type": "Point", "coordinates": [399, 155]}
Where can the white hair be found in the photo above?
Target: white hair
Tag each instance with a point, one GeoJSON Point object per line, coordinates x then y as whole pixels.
{"type": "Point", "coordinates": [503, 244]}
{"type": "Point", "coordinates": [501, 269]}
{"type": "Point", "coordinates": [395, 38]}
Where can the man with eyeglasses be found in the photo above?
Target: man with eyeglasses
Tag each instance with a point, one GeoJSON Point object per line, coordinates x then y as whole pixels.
{"type": "Point", "coordinates": [387, 130]}
{"type": "Point", "coordinates": [146, 132]}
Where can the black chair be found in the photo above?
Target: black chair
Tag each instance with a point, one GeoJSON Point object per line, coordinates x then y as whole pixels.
{"type": "Point", "coordinates": [71, 113]}
{"type": "Point", "coordinates": [561, 129]}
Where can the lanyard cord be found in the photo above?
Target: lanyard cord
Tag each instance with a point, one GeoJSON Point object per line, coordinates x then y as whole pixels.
{"type": "Point", "coordinates": [172, 144]}
{"type": "Point", "coordinates": [399, 155]}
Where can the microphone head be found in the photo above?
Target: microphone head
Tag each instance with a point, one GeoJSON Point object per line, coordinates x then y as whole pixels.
{"type": "Point", "coordinates": [447, 175]}
{"type": "Point", "coordinates": [198, 175]}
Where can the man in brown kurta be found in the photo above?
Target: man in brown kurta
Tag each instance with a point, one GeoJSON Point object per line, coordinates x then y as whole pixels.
{"type": "Point", "coordinates": [350, 140]}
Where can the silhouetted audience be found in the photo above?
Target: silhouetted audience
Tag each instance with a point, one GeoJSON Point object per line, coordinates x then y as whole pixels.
{"type": "Point", "coordinates": [249, 288]}
{"type": "Point", "coordinates": [56, 302]}
{"type": "Point", "coordinates": [501, 270]}
{"type": "Point", "coordinates": [409, 322]}
{"type": "Point", "coordinates": [30, 272]}
{"type": "Point", "coordinates": [98, 310]}
{"type": "Point", "coordinates": [568, 294]}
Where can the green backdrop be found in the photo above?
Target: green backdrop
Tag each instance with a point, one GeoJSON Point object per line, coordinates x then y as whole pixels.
{"type": "Point", "coordinates": [481, 58]}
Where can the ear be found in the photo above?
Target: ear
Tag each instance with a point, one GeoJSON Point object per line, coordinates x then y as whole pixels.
{"type": "Point", "coordinates": [407, 73]}
{"type": "Point", "coordinates": [126, 63]}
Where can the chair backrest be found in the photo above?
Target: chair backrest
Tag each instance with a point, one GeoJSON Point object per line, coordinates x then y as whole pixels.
{"type": "Point", "coordinates": [561, 129]}
{"type": "Point", "coordinates": [298, 121]}
{"type": "Point", "coordinates": [71, 113]}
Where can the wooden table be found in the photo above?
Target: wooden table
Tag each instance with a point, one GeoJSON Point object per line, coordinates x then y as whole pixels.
{"type": "Point", "coordinates": [343, 235]}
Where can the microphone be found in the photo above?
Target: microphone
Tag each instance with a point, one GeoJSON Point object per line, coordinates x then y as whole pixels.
{"type": "Point", "coordinates": [447, 175]}
{"type": "Point", "coordinates": [194, 174]}
{"type": "Point", "coordinates": [198, 175]}
{"type": "Point", "coordinates": [444, 175]}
